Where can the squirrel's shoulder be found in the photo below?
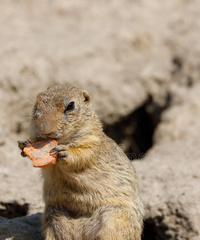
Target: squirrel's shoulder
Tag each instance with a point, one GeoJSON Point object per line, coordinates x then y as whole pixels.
{"type": "Point", "coordinates": [112, 149]}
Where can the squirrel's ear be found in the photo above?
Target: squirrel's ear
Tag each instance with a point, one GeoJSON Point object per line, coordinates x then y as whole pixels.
{"type": "Point", "coordinates": [86, 96]}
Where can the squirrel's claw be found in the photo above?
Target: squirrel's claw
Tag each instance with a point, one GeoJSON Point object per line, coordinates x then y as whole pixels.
{"type": "Point", "coordinates": [23, 154]}
{"type": "Point", "coordinates": [23, 144]}
{"type": "Point", "coordinates": [60, 151]}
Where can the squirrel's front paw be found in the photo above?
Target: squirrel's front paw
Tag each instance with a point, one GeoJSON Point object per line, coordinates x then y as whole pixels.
{"type": "Point", "coordinates": [60, 151]}
{"type": "Point", "coordinates": [22, 145]}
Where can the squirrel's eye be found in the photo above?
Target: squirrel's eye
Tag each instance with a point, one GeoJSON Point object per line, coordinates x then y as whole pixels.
{"type": "Point", "coordinates": [69, 107]}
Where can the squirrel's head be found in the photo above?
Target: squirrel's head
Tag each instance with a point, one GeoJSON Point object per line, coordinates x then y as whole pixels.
{"type": "Point", "coordinates": [61, 112]}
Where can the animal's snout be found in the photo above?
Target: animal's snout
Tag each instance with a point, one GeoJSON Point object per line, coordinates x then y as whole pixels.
{"type": "Point", "coordinates": [46, 128]}
{"type": "Point", "coordinates": [45, 124]}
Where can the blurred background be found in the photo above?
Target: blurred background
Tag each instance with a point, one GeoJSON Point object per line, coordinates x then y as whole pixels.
{"type": "Point", "coordinates": [140, 61]}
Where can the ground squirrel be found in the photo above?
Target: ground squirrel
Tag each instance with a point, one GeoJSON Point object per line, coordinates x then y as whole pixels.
{"type": "Point", "coordinates": [92, 191]}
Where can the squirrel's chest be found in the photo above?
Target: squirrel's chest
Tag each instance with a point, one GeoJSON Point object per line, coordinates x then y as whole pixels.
{"type": "Point", "coordinates": [73, 194]}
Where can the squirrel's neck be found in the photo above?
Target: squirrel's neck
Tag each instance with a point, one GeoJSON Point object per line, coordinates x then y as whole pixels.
{"type": "Point", "coordinates": [91, 133]}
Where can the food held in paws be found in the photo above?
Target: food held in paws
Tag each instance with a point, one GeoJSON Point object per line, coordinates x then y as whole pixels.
{"type": "Point", "coordinates": [39, 153]}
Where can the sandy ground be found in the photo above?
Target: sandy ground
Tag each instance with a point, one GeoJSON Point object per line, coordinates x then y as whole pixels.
{"type": "Point", "coordinates": [122, 52]}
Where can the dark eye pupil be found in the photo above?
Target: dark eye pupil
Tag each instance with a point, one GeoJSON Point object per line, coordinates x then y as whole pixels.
{"type": "Point", "coordinates": [69, 107]}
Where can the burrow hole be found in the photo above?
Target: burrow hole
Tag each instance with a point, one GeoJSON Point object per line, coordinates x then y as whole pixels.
{"type": "Point", "coordinates": [135, 132]}
{"type": "Point", "coordinates": [155, 229]}
{"type": "Point", "coordinates": [13, 209]}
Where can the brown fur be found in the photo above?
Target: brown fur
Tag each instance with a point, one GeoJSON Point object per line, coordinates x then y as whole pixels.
{"type": "Point", "coordinates": [92, 192]}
